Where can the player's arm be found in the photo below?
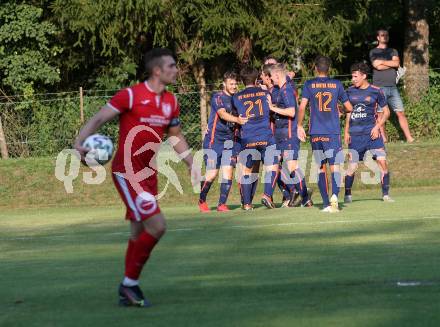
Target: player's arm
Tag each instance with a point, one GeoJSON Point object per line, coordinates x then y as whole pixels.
{"type": "Point", "coordinates": [300, 116]}
{"type": "Point", "coordinates": [348, 107]}
{"type": "Point", "coordinates": [347, 128]}
{"type": "Point", "coordinates": [383, 117]}
{"type": "Point", "coordinates": [289, 112]}
{"type": "Point", "coordinates": [100, 118]}
{"type": "Point", "coordinates": [223, 114]}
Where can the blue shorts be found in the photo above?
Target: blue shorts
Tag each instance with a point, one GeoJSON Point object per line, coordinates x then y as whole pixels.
{"type": "Point", "coordinates": [289, 147]}
{"type": "Point", "coordinates": [258, 149]}
{"type": "Point", "coordinates": [220, 154]}
{"type": "Point", "coordinates": [360, 144]}
{"type": "Point", "coordinates": [393, 98]}
{"type": "Point", "coordinates": [327, 148]}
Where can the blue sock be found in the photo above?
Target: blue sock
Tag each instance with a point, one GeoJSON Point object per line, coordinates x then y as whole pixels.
{"type": "Point", "coordinates": [322, 184]}
{"type": "Point", "coordinates": [336, 182]}
{"type": "Point", "coordinates": [348, 184]}
{"type": "Point", "coordinates": [385, 183]}
{"type": "Point", "coordinates": [284, 188]}
{"type": "Point", "coordinates": [254, 189]}
{"type": "Point", "coordinates": [204, 189]}
{"type": "Point", "coordinates": [300, 184]}
{"type": "Point", "coordinates": [246, 189]}
{"type": "Point", "coordinates": [225, 187]}
{"type": "Point", "coordinates": [269, 183]}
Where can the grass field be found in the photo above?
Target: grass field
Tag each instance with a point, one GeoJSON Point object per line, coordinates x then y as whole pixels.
{"type": "Point", "coordinates": [373, 264]}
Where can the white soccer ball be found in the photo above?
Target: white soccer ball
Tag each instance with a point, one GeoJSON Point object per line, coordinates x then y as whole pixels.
{"type": "Point", "coordinates": [101, 149]}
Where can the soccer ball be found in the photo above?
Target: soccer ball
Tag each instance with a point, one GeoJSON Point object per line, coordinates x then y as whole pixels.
{"type": "Point", "coordinates": [101, 149]}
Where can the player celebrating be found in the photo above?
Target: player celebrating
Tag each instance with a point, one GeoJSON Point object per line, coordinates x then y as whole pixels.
{"type": "Point", "coordinates": [218, 138]}
{"type": "Point", "coordinates": [362, 129]}
{"type": "Point", "coordinates": [323, 94]}
{"type": "Point", "coordinates": [146, 111]}
{"type": "Point", "coordinates": [286, 137]}
{"type": "Point", "coordinates": [256, 138]}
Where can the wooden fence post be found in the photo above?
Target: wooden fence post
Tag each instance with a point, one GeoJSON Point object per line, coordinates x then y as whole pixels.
{"type": "Point", "coordinates": [3, 145]}
{"type": "Point", "coordinates": [81, 104]}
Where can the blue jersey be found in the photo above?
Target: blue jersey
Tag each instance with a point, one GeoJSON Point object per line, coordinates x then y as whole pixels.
{"type": "Point", "coordinates": [219, 129]}
{"type": "Point", "coordinates": [252, 103]}
{"type": "Point", "coordinates": [323, 94]}
{"type": "Point", "coordinates": [365, 103]}
{"type": "Point", "coordinates": [285, 97]}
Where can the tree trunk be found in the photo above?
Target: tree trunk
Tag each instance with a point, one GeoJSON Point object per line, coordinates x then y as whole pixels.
{"type": "Point", "coordinates": [3, 146]}
{"type": "Point", "coordinates": [416, 54]}
{"type": "Point", "coordinates": [199, 75]}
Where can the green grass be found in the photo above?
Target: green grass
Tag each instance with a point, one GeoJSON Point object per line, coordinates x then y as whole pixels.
{"type": "Point", "coordinates": [284, 267]}
{"type": "Point", "coordinates": [32, 182]}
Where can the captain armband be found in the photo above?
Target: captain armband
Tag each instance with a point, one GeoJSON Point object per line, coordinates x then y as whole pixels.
{"type": "Point", "coordinates": [174, 122]}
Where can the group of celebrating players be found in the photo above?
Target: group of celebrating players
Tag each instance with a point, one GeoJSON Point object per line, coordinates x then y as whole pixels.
{"type": "Point", "coordinates": [264, 123]}
{"type": "Point", "coordinates": [260, 123]}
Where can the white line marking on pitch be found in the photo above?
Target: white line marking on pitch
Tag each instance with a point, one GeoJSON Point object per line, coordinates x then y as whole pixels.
{"type": "Point", "coordinates": [238, 227]}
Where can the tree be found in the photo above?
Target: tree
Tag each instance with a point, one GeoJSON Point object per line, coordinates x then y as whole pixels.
{"type": "Point", "coordinates": [199, 31]}
{"type": "Point", "coordinates": [27, 50]}
{"type": "Point", "coordinates": [298, 31]}
{"type": "Point", "coordinates": [416, 53]}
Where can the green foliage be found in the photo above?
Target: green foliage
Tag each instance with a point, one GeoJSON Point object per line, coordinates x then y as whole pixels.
{"type": "Point", "coordinates": [423, 116]}
{"type": "Point", "coordinates": [116, 77]}
{"type": "Point", "coordinates": [299, 31]}
{"type": "Point", "coordinates": [26, 50]}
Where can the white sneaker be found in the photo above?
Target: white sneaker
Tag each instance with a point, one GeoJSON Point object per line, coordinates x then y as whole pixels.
{"type": "Point", "coordinates": [334, 203]}
{"type": "Point", "coordinates": [387, 198]}
{"type": "Point", "coordinates": [327, 209]}
{"type": "Point", "coordinates": [348, 199]}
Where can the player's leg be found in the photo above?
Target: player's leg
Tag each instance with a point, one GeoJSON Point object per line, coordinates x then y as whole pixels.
{"type": "Point", "coordinates": [255, 173]}
{"type": "Point", "coordinates": [205, 186]}
{"type": "Point", "coordinates": [247, 159]}
{"type": "Point", "coordinates": [357, 148]}
{"type": "Point", "coordinates": [270, 157]}
{"type": "Point", "coordinates": [212, 158]}
{"type": "Point", "coordinates": [385, 179]}
{"type": "Point", "coordinates": [284, 183]}
{"type": "Point", "coordinates": [246, 186]}
{"type": "Point", "coordinates": [299, 181]}
{"type": "Point", "coordinates": [349, 180]}
{"type": "Point", "coordinates": [225, 187]}
{"type": "Point", "coordinates": [321, 161]}
{"type": "Point", "coordinates": [143, 238]}
{"type": "Point", "coordinates": [270, 178]}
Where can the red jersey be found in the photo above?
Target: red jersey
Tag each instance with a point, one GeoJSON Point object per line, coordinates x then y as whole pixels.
{"type": "Point", "coordinates": [144, 118]}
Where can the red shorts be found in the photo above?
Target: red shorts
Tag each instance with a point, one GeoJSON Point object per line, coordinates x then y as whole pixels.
{"type": "Point", "coordinates": [139, 198]}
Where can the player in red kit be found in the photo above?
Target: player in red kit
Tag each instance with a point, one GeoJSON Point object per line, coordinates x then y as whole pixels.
{"type": "Point", "coordinates": [146, 111]}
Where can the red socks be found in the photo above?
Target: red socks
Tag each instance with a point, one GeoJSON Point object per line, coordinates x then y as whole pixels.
{"type": "Point", "coordinates": [138, 253]}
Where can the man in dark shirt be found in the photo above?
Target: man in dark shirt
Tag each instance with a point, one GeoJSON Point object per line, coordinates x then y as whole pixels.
{"type": "Point", "coordinates": [385, 62]}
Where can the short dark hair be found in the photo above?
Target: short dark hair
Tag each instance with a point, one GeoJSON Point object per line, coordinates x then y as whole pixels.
{"type": "Point", "coordinates": [154, 58]}
{"type": "Point", "coordinates": [381, 30]}
{"type": "Point", "coordinates": [269, 57]}
{"type": "Point", "coordinates": [323, 63]}
{"type": "Point", "coordinates": [361, 67]}
{"type": "Point", "coordinates": [230, 75]}
{"type": "Point", "coordinates": [267, 69]}
{"type": "Point", "coordinates": [248, 75]}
